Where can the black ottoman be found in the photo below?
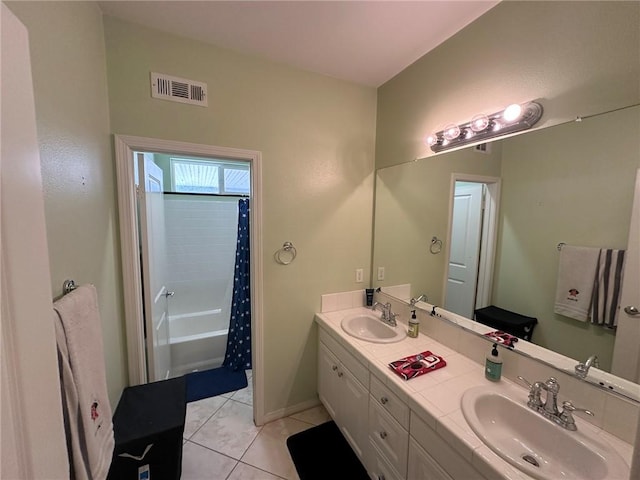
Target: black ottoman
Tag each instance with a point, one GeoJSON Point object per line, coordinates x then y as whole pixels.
{"type": "Point", "coordinates": [518, 325]}
{"type": "Point", "coordinates": [148, 425]}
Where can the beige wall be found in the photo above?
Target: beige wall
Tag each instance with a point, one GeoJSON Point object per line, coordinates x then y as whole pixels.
{"type": "Point", "coordinates": [576, 58]}
{"type": "Point", "coordinates": [69, 77]}
{"type": "Point", "coordinates": [316, 135]}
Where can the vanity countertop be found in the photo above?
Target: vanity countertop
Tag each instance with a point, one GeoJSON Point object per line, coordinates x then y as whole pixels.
{"type": "Point", "coordinates": [440, 407]}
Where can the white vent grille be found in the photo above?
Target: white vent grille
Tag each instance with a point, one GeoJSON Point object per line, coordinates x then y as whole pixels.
{"type": "Point", "coordinates": [179, 90]}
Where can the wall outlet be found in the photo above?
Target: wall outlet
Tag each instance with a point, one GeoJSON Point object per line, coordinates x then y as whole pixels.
{"type": "Point", "coordinates": [359, 275]}
{"type": "Point", "coordinates": [380, 273]}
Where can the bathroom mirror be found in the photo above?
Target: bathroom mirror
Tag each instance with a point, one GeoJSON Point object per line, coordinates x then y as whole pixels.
{"type": "Point", "coordinates": [568, 184]}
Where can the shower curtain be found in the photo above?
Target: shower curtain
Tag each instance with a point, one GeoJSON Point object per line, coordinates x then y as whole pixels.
{"type": "Point", "coordinates": [238, 354]}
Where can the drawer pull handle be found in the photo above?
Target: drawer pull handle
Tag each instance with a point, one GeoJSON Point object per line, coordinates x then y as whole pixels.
{"type": "Point", "coordinates": [381, 477]}
{"type": "Point", "coordinates": [340, 374]}
{"type": "Point", "coordinates": [383, 435]}
{"type": "Point", "coordinates": [384, 400]}
{"type": "Point", "coordinates": [334, 368]}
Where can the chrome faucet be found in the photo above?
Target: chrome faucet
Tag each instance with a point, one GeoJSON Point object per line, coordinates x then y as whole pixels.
{"type": "Point", "coordinates": [387, 316]}
{"type": "Point", "coordinates": [582, 369]}
{"type": "Point", "coordinates": [549, 408]}
{"type": "Point", "coordinates": [422, 297]}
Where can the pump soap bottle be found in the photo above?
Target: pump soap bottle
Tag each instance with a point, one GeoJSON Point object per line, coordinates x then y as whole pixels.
{"type": "Point", "coordinates": [493, 365]}
{"type": "Point", "coordinates": [414, 325]}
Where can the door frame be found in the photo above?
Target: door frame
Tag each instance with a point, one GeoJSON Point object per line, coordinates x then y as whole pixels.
{"type": "Point", "coordinates": [125, 145]}
{"type": "Point", "coordinates": [489, 235]}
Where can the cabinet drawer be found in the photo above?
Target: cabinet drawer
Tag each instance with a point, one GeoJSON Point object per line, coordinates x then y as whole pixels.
{"type": "Point", "coordinates": [379, 468]}
{"type": "Point", "coordinates": [360, 371]}
{"type": "Point", "coordinates": [441, 452]}
{"type": "Point", "coordinates": [390, 402]}
{"type": "Point", "coordinates": [421, 465]}
{"type": "Point", "coordinates": [389, 437]}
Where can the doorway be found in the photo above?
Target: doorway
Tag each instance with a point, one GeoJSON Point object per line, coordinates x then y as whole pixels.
{"type": "Point", "coordinates": [188, 217]}
{"type": "Point", "coordinates": [127, 149]}
{"type": "Point", "coordinates": [473, 217]}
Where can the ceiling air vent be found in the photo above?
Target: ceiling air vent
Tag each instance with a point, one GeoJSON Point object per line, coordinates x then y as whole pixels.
{"type": "Point", "coordinates": [177, 89]}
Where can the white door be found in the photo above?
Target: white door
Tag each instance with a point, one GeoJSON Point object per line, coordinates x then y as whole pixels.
{"type": "Point", "coordinates": [33, 437]}
{"type": "Point", "coordinates": [626, 352]}
{"type": "Point", "coordinates": [154, 261]}
{"type": "Point", "coordinates": [464, 252]}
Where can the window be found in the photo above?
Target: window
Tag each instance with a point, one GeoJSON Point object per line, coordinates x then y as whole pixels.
{"type": "Point", "coordinates": [210, 176]}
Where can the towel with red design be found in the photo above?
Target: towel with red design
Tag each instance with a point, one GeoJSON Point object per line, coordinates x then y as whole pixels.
{"type": "Point", "coordinates": [416, 365]}
{"type": "Point", "coordinates": [501, 337]}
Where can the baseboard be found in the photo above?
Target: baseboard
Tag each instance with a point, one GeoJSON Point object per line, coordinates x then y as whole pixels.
{"type": "Point", "coordinates": [285, 412]}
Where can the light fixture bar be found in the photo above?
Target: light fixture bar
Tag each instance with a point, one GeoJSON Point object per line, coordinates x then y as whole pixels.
{"type": "Point", "coordinates": [514, 118]}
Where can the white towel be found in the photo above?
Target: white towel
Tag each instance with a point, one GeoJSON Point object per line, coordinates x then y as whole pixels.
{"type": "Point", "coordinates": [576, 274]}
{"type": "Point", "coordinates": [607, 288]}
{"type": "Point", "coordinates": [87, 411]}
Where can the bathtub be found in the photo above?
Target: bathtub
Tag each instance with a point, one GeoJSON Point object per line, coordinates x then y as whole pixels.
{"type": "Point", "coordinates": [198, 340]}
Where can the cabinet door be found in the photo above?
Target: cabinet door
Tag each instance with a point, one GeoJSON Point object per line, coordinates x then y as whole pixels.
{"type": "Point", "coordinates": [421, 465]}
{"type": "Point", "coordinates": [354, 411]}
{"type": "Point", "coordinates": [328, 380]}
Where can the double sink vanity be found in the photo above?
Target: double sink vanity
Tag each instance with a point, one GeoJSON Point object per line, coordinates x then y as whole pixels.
{"type": "Point", "coordinates": [452, 423]}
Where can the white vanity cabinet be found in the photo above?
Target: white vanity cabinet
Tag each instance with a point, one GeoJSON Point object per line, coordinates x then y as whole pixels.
{"type": "Point", "coordinates": [343, 388]}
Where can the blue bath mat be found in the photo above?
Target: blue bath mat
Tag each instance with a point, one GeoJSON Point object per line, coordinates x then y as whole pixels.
{"type": "Point", "coordinates": [216, 381]}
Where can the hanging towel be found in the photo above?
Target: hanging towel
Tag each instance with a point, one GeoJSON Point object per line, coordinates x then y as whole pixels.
{"type": "Point", "coordinates": [574, 288]}
{"type": "Point", "coordinates": [85, 403]}
{"type": "Point", "coordinates": [607, 287]}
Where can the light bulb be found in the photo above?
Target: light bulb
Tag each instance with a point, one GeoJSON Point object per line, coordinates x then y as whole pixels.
{"type": "Point", "coordinates": [451, 132]}
{"type": "Point", "coordinates": [431, 140]}
{"type": "Point", "coordinates": [479, 122]}
{"type": "Point", "coordinates": [468, 133]}
{"type": "Point", "coordinates": [512, 112]}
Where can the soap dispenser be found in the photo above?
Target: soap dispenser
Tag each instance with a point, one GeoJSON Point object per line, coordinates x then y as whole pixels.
{"type": "Point", "coordinates": [414, 325]}
{"type": "Point", "coordinates": [493, 365]}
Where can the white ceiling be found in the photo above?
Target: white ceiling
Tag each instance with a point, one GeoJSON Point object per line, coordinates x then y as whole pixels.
{"type": "Point", "coordinates": [367, 42]}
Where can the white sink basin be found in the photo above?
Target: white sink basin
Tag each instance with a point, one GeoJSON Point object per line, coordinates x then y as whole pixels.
{"type": "Point", "coordinates": [369, 327]}
{"type": "Point", "coordinates": [535, 445]}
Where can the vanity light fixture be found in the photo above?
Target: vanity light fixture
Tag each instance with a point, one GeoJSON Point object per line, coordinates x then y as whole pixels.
{"type": "Point", "coordinates": [514, 118]}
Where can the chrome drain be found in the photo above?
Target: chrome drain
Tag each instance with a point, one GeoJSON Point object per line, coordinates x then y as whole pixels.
{"type": "Point", "coordinates": [529, 459]}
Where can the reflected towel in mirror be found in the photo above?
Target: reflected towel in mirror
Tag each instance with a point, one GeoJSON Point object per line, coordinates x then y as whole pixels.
{"type": "Point", "coordinates": [607, 287]}
{"type": "Point", "coordinates": [576, 274]}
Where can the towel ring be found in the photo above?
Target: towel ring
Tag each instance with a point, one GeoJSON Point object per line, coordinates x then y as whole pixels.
{"type": "Point", "coordinates": [560, 245]}
{"type": "Point", "coordinates": [287, 250]}
{"type": "Point", "coordinates": [436, 246]}
{"type": "Point", "coordinates": [68, 286]}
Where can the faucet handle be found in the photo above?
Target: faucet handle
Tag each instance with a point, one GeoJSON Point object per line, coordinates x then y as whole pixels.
{"type": "Point", "coordinates": [525, 381]}
{"type": "Point", "coordinates": [566, 417]}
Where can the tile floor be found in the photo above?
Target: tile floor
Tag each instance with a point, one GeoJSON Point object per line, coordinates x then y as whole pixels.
{"type": "Point", "coordinates": [222, 442]}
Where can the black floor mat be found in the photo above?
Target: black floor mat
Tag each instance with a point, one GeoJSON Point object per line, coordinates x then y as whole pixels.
{"type": "Point", "coordinates": [216, 381]}
{"type": "Point", "coordinates": [322, 453]}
